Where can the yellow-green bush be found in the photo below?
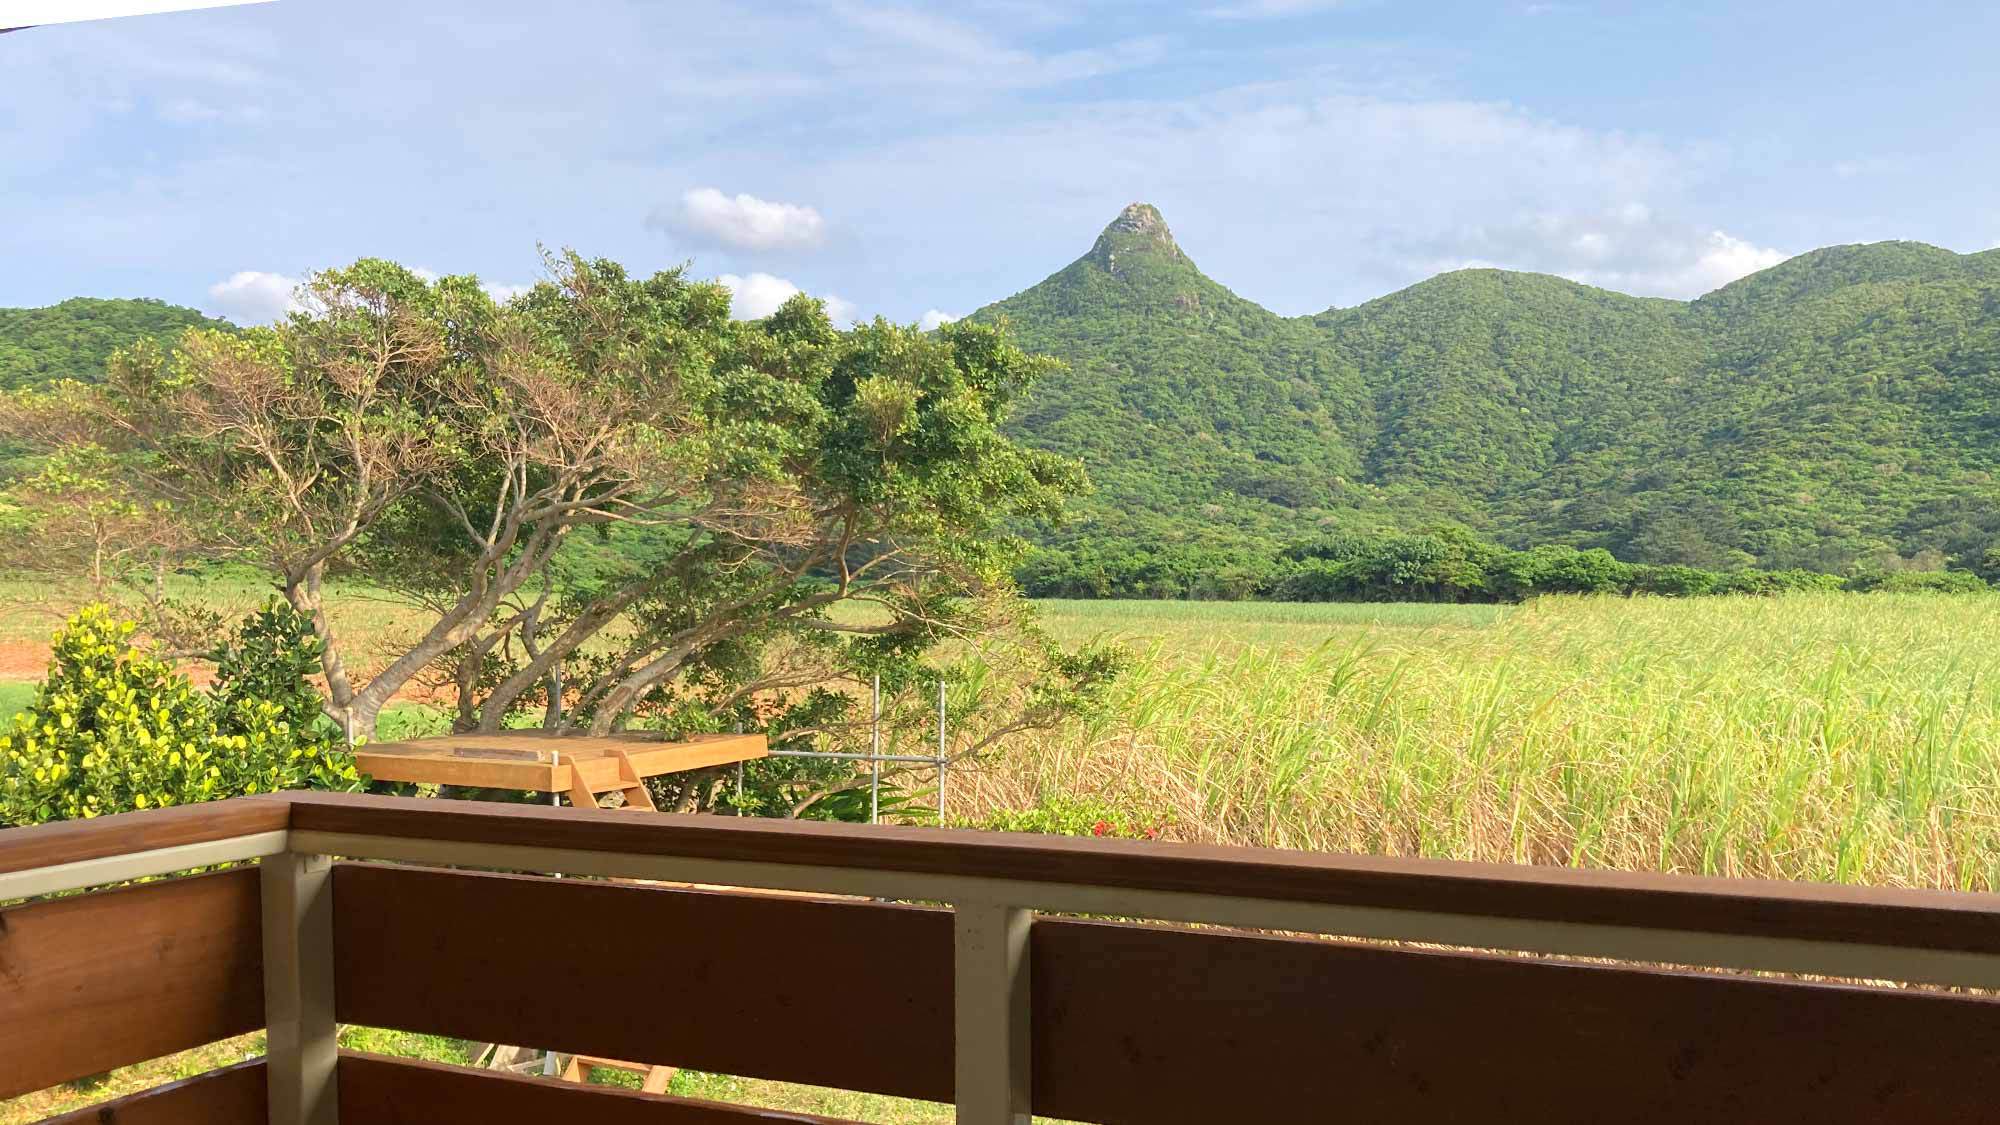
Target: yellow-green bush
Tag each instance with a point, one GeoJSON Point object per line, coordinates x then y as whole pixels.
{"type": "Point", "coordinates": [113, 729]}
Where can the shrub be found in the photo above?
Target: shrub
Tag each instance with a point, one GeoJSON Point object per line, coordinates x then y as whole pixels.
{"type": "Point", "coordinates": [1917, 582]}
{"type": "Point", "coordinates": [263, 678]}
{"type": "Point", "coordinates": [1674, 581]}
{"type": "Point", "coordinates": [113, 729]}
{"type": "Point", "coordinates": [1073, 816]}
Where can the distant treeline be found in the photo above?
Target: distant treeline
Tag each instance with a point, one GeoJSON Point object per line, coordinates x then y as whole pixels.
{"type": "Point", "coordinates": [1444, 565]}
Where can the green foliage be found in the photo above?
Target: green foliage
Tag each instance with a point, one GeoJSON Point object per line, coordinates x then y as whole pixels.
{"type": "Point", "coordinates": [603, 449]}
{"type": "Point", "coordinates": [1061, 815]}
{"type": "Point", "coordinates": [113, 729]}
{"type": "Point", "coordinates": [1835, 411]}
{"type": "Point", "coordinates": [263, 692]}
{"type": "Point", "coordinates": [1830, 414]}
{"type": "Point", "coordinates": [1918, 582]}
{"type": "Point", "coordinates": [75, 339]}
{"type": "Point", "coordinates": [1437, 565]}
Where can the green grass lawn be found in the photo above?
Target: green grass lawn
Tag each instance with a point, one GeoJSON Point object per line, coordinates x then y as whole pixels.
{"type": "Point", "coordinates": [13, 697]}
{"type": "Point", "coordinates": [781, 1096]}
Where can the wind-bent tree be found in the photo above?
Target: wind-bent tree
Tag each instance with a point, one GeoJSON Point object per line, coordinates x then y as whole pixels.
{"type": "Point", "coordinates": [69, 516]}
{"type": "Point", "coordinates": [606, 485]}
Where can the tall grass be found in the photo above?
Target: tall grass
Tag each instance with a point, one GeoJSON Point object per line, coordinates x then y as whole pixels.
{"type": "Point", "coordinates": [1828, 737]}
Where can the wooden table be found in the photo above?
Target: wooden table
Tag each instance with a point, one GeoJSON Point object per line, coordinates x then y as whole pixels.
{"type": "Point", "coordinates": [581, 765]}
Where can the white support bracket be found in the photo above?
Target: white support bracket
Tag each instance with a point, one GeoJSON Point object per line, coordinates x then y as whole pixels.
{"type": "Point", "coordinates": [303, 1052]}
{"type": "Point", "coordinates": [991, 992]}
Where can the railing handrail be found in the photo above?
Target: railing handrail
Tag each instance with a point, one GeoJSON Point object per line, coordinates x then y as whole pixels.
{"type": "Point", "coordinates": [1906, 917]}
{"type": "Point", "coordinates": [105, 837]}
{"type": "Point", "coordinates": [994, 882]}
{"type": "Point", "coordinates": [1951, 921]}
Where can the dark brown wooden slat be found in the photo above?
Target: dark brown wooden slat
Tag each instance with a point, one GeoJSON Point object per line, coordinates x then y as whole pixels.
{"type": "Point", "coordinates": [1158, 1025]}
{"type": "Point", "coordinates": [382, 1091]}
{"type": "Point", "coordinates": [105, 980]}
{"type": "Point", "coordinates": [233, 1095]}
{"type": "Point", "coordinates": [68, 841]}
{"type": "Point", "coordinates": [1888, 916]}
{"type": "Point", "coordinates": [833, 993]}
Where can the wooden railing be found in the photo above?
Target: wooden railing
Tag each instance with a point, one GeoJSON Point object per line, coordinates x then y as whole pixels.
{"type": "Point", "coordinates": [979, 1001]}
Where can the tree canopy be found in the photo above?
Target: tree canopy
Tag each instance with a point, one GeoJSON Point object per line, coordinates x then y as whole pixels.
{"type": "Point", "coordinates": [606, 482]}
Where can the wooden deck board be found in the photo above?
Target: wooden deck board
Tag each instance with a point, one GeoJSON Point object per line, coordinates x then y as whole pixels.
{"type": "Point", "coordinates": [533, 760]}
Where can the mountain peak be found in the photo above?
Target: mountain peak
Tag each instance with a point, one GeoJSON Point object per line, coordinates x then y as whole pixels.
{"type": "Point", "coordinates": [1141, 218]}
{"type": "Point", "coordinates": [1138, 229]}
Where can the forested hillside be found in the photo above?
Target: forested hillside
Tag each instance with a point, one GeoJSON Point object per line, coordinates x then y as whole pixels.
{"type": "Point", "coordinates": [1840, 409]}
{"type": "Point", "coordinates": [73, 339]}
{"type": "Point", "coordinates": [1201, 416]}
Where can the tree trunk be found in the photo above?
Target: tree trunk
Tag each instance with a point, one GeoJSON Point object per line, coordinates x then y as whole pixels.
{"type": "Point", "coordinates": [303, 592]}
{"type": "Point", "coordinates": [547, 664]}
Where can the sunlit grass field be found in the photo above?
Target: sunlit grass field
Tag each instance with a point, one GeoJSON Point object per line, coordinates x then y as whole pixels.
{"type": "Point", "coordinates": [1839, 737]}
{"type": "Point", "coordinates": [782, 1096]}
{"type": "Point", "coordinates": [1826, 737]}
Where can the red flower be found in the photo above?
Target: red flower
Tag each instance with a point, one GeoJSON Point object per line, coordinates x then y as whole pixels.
{"type": "Point", "coordinates": [1101, 828]}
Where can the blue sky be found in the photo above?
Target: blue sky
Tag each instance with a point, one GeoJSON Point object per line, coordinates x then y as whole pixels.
{"type": "Point", "coordinates": [913, 161]}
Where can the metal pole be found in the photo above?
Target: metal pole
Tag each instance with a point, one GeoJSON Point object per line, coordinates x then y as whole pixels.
{"type": "Point", "coordinates": [944, 766]}
{"type": "Point", "coordinates": [875, 757]}
{"type": "Point", "coordinates": [858, 756]}
{"type": "Point", "coordinates": [555, 696]}
{"type": "Point", "coordinates": [555, 759]}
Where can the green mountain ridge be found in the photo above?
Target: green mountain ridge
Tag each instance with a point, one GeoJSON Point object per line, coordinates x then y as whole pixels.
{"type": "Point", "coordinates": [1838, 407]}
{"type": "Point", "coordinates": [75, 338]}
{"type": "Point", "coordinates": [1841, 407]}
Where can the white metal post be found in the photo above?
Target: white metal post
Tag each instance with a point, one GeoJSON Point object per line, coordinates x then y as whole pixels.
{"type": "Point", "coordinates": [302, 1051]}
{"type": "Point", "coordinates": [943, 763]}
{"type": "Point", "coordinates": [875, 755]}
{"type": "Point", "coordinates": [991, 1013]}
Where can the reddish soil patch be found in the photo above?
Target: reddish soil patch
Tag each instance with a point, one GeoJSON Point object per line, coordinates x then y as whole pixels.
{"type": "Point", "coordinates": [28, 662]}
{"type": "Point", "coordinates": [23, 660]}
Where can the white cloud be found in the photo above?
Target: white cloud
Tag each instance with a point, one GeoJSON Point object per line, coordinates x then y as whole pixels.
{"type": "Point", "coordinates": [502, 293]}
{"type": "Point", "coordinates": [187, 111]}
{"type": "Point", "coordinates": [1627, 248]}
{"type": "Point", "coordinates": [746, 222]}
{"type": "Point", "coordinates": [258, 297]}
{"type": "Point", "coordinates": [254, 297]}
{"type": "Point", "coordinates": [1724, 259]}
{"type": "Point", "coordinates": [759, 294]}
{"type": "Point", "coordinates": [932, 319]}
{"type": "Point", "coordinates": [945, 56]}
{"type": "Point", "coordinates": [1300, 178]}
{"type": "Point", "coordinates": [841, 312]}
{"type": "Point", "coordinates": [1270, 9]}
